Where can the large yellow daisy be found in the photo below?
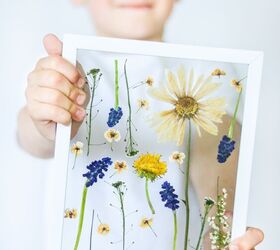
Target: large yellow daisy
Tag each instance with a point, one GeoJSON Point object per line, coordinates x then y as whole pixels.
{"type": "Point", "coordinates": [190, 102]}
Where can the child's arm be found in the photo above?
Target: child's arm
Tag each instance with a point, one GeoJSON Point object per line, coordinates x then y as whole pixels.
{"type": "Point", "coordinates": [205, 167]}
{"type": "Point", "coordinates": [53, 96]}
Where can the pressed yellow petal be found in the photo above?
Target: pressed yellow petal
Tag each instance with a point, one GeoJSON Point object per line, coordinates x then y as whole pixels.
{"type": "Point", "coordinates": [162, 95]}
{"type": "Point", "coordinates": [182, 81]}
{"type": "Point", "coordinates": [206, 124]}
{"type": "Point", "coordinates": [212, 115]}
{"type": "Point", "coordinates": [206, 90]}
{"type": "Point", "coordinates": [181, 131]}
{"type": "Point", "coordinates": [172, 84]}
{"type": "Point", "coordinates": [213, 103]}
{"type": "Point", "coordinates": [190, 83]}
{"type": "Point", "coordinates": [197, 127]}
{"type": "Point", "coordinates": [199, 84]}
{"type": "Point", "coordinates": [166, 122]}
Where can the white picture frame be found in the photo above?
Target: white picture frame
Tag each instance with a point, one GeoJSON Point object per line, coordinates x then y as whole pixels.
{"type": "Point", "coordinates": [254, 60]}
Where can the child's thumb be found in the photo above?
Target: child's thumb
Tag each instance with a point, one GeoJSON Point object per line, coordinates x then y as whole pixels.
{"type": "Point", "coordinates": [52, 45]}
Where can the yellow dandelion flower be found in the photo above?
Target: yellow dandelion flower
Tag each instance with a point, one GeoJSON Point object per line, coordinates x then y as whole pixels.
{"type": "Point", "coordinates": [145, 222]}
{"type": "Point", "coordinates": [143, 104]}
{"type": "Point", "coordinates": [188, 98]}
{"type": "Point", "coordinates": [178, 157]}
{"type": "Point", "coordinates": [120, 166]}
{"type": "Point", "coordinates": [103, 229]}
{"type": "Point", "coordinates": [112, 135]}
{"type": "Point", "coordinates": [150, 166]}
{"type": "Point", "coordinates": [237, 84]}
{"type": "Point", "coordinates": [77, 148]}
{"type": "Point", "coordinates": [218, 72]}
{"type": "Point", "coordinates": [149, 81]}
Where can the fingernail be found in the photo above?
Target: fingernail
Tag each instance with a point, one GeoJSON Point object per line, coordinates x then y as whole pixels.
{"type": "Point", "coordinates": [80, 113]}
{"type": "Point", "coordinates": [233, 247]}
{"type": "Point", "coordinates": [81, 99]}
{"type": "Point", "coordinates": [81, 82]}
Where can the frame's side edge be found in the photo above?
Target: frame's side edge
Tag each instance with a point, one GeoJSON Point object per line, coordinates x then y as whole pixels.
{"type": "Point", "coordinates": [58, 175]}
{"type": "Point", "coordinates": [245, 163]}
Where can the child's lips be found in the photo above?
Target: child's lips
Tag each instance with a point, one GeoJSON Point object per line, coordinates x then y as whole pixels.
{"type": "Point", "coordinates": [136, 6]}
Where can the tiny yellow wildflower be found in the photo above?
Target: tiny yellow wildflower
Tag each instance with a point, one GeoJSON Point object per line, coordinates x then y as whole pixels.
{"type": "Point", "coordinates": [237, 84]}
{"type": "Point", "coordinates": [103, 229]}
{"type": "Point", "coordinates": [145, 222]}
{"type": "Point", "coordinates": [71, 214]}
{"type": "Point", "coordinates": [112, 135]}
{"type": "Point", "coordinates": [149, 81]}
{"type": "Point", "coordinates": [77, 148]}
{"type": "Point", "coordinates": [177, 157]}
{"type": "Point", "coordinates": [143, 104]}
{"type": "Point", "coordinates": [218, 72]}
{"type": "Point", "coordinates": [120, 166]}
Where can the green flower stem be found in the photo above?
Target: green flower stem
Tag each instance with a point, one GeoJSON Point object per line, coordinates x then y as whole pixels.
{"type": "Point", "coordinates": [81, 220]}
{"type": "Point", "coordinates": [233, 120]}
{"type": "Point", "coordinates": [75, 160]}
{"type": "Point", "coordinates": [148, 196]}
{"type": "Point", "coordinates": [90, 113]}
{"type": "Point", "coordinates": [91, 230]}
{"type": "Point", "coordinates": [130, 150]}
{"type": "Point", "coordinates": [187, 174]}
{"type": "Point", "coordinates": [207, 210]}
{"type": "Point", "coordinates": [116, 85]}
{"type": "Point", "coordinates": [123, 216]}
{"type": "Point", "coordinates": [175, 230]}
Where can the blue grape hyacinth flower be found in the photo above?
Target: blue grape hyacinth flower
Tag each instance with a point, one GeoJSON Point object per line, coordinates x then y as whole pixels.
{"type": "Point", "coordinates": [114, 116]}
{"type": "Point", "coordinates": [96, 170]}
{"type": "Point", "coordinates": [169, 197]}
{"type": "Point", "coordinates": [225, 149]}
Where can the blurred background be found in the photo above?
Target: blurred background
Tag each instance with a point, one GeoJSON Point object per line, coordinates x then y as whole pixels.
{"type": "Point", "coordinates": [250, 24]}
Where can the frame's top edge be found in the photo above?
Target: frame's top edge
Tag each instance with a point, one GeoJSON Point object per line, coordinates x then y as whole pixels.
{"type": "Point", "coordinates": [162, 49]}
{"type": "Point", "coordinates": [255, 53]}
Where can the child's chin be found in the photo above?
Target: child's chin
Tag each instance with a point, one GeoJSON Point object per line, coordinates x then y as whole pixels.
{"type": "Point", "coordinates": [135, 34]}
{"type": "Point", "coordinates": [142, 29]}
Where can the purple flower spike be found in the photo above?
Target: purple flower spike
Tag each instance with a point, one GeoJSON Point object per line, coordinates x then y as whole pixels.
{"type": "Point", "coordinates": [169, 197]}
{"type": "Point", "coordinates": [225, 149]}
{"type": "Point", "coordinates": [96, 170]}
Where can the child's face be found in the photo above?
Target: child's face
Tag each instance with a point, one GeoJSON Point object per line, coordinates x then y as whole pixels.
{"type": "Point", "coordinates": [135, 19]}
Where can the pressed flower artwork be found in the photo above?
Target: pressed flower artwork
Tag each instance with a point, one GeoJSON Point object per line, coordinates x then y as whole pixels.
{"type": "Point", "coordinates": [143, 166]}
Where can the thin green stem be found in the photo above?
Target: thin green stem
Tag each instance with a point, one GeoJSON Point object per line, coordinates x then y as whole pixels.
{"type": "Point", "coordinates": [123, 217]}
{"type": "Point", "coordinates": [91, 231]}
{"type": "Point", "coordinates": [187, 173]}
{"type": "Point", "coordinates": [207, 210]}
{"type": "Point", "coordinates": [148, 196]}
{"type": "Point", "coordinates": [233, 120]}
{"type": "Point", "coordinates": [130, 150]}
{"type": "Point", "coordinates": [116, 85]}
{"type": "Point", "coordinates": [90, 113]}
{"type": "Point", "coordinates": [175, 230]}
{"type": "Point", "coordinates": [81, 220]}
{"type": "Point", "coordinates": [75, 160]}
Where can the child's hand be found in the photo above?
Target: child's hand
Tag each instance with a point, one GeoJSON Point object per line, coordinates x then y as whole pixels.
{"type": "Point", "coordinates": [53, 93]}
{"type": "Point", "coordinates": [252, 238]}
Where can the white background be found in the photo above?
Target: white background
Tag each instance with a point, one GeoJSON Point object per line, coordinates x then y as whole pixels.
{"type": "Point", "coordinates": [250, 24]}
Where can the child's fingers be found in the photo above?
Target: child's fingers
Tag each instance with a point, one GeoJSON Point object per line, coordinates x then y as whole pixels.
{"type": "Point", "coordinates": [59, 64]}
{"type": "Point", "coordinates": [41, 112]}
{"type": "Point", "coordinates": [248, 241]}
{"type": "Point", "coordinates": [52, 44]}
{"type": "Point", "coordinates": [56, 98]}
{"type": "Point", "coordinates": [55, 80]}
